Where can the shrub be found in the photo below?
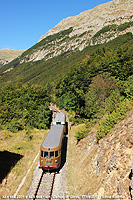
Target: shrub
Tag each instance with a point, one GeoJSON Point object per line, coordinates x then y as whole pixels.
{"type": "Point", "coordinates": [76, 120]}
{"type": "Point", "coordinates": [108, 123]}
{"type": "Point", "coordinates": [81, 134]}
{"type": "Point", "coordinates": [124, 26]}
{"type": "Point", "coordinates": [101, 88]}
{"type": "Point", "coordinates": [128, 87]}
{"type": "Point", "coordinates": [15, 126]}
{"type": "Point", "coordinates": [106, 29]}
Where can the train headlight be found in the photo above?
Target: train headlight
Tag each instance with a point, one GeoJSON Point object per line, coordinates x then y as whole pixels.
{"type": "Point", "coordinates": [56, 161]}
{"type": "Point", "coordinates": [41, 160]}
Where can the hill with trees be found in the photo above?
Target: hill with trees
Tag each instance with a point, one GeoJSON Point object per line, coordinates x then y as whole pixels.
{"type": "Point", "coordinates": [24, 107]}
{"type": "Point", "coordinates": [90, 79]}
{"type": "Point", "coordinates": [92, 83]}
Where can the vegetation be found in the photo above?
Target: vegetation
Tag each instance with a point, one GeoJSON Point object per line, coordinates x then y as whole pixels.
{"type": "Point", "coordinates": [48, 39]}
{"type": "Point", "coordinates": [106, 106]}
{"type": "Point", "coordinates": [124, 26]}
{"type": "Point", "coordinates": [113, 27]}
{"type": "Point", "coordinates": [101, 88]}
{"type": "Point", "coordinates": [24, 107]}
{"type": "Point", "coordinates": [106, 124]}
{"type": "Point", "coordinates": [72, 89]}
{"type": "Point", "coordinates": [94, 85]}
{"type": "Point", "coordinates": [17, 152]}
{"type": "Point", "coordinates": [80, 134]}
{"type": "Point", "coordinates": [44, 72]}
{"type": "Point", "coordinates": [91, 84]}
{"type": "Point", "coordinates": [106, 29]}
{"type": "Point", "coordinates": [98, 86]}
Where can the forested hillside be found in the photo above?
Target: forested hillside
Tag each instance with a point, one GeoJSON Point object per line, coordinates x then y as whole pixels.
{"type": "Point", "coordinates": [117, 63]}
{"type": "Point", "coordinates": [100, 85]}
{"type": "Point", "coordinates": [89, 84]}
{"type": "Point", "coordinates": [24, 107]}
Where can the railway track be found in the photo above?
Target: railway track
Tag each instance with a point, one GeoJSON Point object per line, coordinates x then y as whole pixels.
{"type": "Point", "coordinates": [45, 186]}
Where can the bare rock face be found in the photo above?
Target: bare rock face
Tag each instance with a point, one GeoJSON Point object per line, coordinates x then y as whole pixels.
{"type": "Point", "coordinates": [116, 158]}
{"type": "Point", "coordinates": [104, 168]}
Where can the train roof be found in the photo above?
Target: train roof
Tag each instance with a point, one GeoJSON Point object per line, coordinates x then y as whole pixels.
{"type": "Point", "coordinates": [60, 118]}
{"type": "Point", "coordinates": [53, 137]}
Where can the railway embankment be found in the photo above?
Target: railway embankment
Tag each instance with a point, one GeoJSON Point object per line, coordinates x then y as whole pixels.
{"type": "Point", "coordinates": [101, 169]}
{"type": "Point", "coordinates": [48, 184]}
{"type": "Point", "coordinates": [18, 152]}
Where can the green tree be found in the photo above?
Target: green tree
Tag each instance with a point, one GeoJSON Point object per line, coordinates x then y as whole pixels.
{"type": "Point", "coordinates": [100, 89]}
{"type": "Point", "coordinates": [24, 105]}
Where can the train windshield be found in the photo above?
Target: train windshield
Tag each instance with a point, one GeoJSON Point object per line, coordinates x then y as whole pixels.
{"type": "Point", "coordinates": [45, 154]}
{"type": "Point", "coordinates": [56, 153]}
{"type": "Point", "coordinates": [41, 153]}
{"type": "Point", "coordinates": [52, 154]}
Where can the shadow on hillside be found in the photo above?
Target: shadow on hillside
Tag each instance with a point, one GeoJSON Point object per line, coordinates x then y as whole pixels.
{"type": "Point", "coordinates": [7, 161]}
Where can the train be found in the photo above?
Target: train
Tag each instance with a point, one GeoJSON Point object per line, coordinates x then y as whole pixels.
{"type": "Point", "coordinates": [50, 150]}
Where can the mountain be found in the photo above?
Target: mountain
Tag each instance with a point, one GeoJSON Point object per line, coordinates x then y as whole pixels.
{"type": "Point", "coordinates": [80, 31]}
{"type": "Point", "coordinates": [7, 55]}
{"type": "Point", "coordinates": [117, 11]}
{"type": "Point", "coordinates": [70, 41]}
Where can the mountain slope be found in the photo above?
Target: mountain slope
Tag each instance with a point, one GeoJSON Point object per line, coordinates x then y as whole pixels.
{"type": "Point", "coordinates": [103, 169]}
{"type": "Point", "coordinates": [77, 32]}
{"type": "Point", "coordinates": [50, 71]}
{"type": "Point", "coordinates": [7, 55]}
{"type": "Point", "coordinates": [70, 41]}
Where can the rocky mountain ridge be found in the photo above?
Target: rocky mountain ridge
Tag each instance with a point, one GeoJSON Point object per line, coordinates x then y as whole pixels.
{"type": "Point", "coordinates": [7, 55]}
{"type": "Point", "coordinates": [93, 20]}
{"type": "Point", "coordinates": [76, 32]}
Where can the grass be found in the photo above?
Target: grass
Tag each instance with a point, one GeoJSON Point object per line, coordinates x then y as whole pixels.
{"type": "Point", "coordinates": [73, 163]}
{"type": "Point", "coordinates": [81, 179]}
{"type": "Point", "coordinates": [26, 146]}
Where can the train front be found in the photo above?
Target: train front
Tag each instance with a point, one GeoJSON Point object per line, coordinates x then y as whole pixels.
{"type": "Point", "coordinates": [50, 159]}
{"type": "Point", "coordinates": [50, 151]}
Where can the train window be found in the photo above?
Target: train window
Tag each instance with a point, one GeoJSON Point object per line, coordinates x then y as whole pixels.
{"type": "Point", "coordinates": [45, 154]}
{"type": "Point", "coordinates": [41, 153]}
{"type": "Point", "coordinates": [58, 122]}
{"type": "Point", "coordinates": [52, 154]}
{"type": "Point", "coordinates": [56, 153]}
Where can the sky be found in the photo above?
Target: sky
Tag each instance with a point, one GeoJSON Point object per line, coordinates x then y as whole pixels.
{"type": "Point", "coordinates": [23, 22]}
